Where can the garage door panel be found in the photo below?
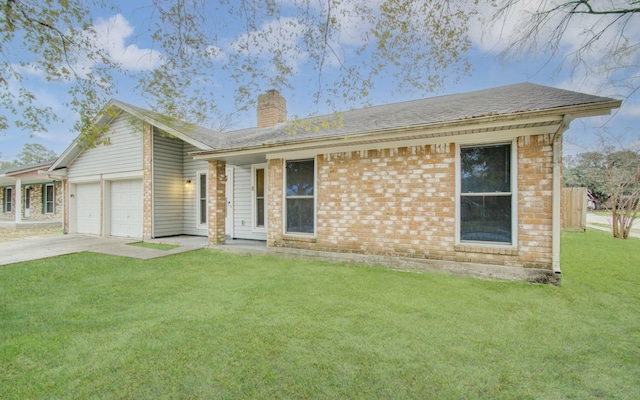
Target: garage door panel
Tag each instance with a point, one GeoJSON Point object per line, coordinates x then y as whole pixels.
{"type": "Point", "coordinates": [88, 208]}
{"type": "Point", "coordinates": [126, 208]}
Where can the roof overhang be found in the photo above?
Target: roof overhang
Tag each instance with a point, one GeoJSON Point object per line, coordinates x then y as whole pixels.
{"type": "Point", "coordinates": [29, 175]}
{"type": "Point", "coordinates": [477, 129]}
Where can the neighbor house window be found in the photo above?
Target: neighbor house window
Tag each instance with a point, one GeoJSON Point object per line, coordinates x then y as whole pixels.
{"type": "Point", "coordinates": [49, 199]}
{"type": "Point", "coordinates": [202, 198]}
{"type": "Point", "coordinates": [8, 200]}
{"type": "Point", "coordinates": [299, 196]}
{"type": "Point", "coordinates": [486, 194]}
{"type": "Point", "coordinates": [259, 187]}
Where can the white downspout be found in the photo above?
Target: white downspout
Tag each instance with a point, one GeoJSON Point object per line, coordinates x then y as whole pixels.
{"type": "Point", "coordinates": [556, 216]}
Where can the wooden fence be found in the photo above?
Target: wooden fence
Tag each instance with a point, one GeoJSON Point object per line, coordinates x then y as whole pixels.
{"type": "Point", "coordinates": [574, 209]}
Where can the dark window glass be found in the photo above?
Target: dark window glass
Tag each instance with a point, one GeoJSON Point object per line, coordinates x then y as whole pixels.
{"type": "Point", "coordinates": [300, 215]}
{"type": "Point", "coordinates": [203, 199]}
{"type": "Point", "coordinates": [259, 184]}
{"type": "Point", "coordinates": [300, 196]}
{"type": "Point", "coordinates": [300, 178]}
{"type": "Point", "coordinates": [486, 218]}
{"type": "Point", "coordinates": [50, 196]}
{"type": "Point", "coordinates": [8, 200]}
{"type": "Point", "coordinates": [485, 169]}
{"type": "Point", "coordinates": [27, 198]}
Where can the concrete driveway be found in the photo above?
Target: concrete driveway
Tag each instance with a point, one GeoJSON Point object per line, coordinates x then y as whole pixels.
{"type": "Point", "coordinates": [601, 222]}
{"type": "Point", "coordinates": [38, 247]}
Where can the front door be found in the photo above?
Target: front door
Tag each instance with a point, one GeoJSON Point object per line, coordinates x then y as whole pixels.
{"type": "Point", "coordinates": [27, 202]}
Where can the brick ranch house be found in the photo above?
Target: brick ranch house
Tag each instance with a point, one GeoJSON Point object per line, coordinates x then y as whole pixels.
{"type": "Point", "coordinates": [28, 195]}
{"type": "Point", "coordinates": [468, 183]}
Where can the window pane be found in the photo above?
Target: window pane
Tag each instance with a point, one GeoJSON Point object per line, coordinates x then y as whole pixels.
{"type": "Point", "coordinates": [300, 215]}
{"type": "Point", "coordinates": [259, 212]}
{"type": "Point", "coordinates": [203, 186]}
{"type": "Point", "coordinates": [8, 200]}
{"type": "Point", "coordinates": [260, 182]}
{"type": "Point", "coordinates": [300, 178]}
{"type": "Point", "coordinates": [203, 199]}
{"type": "Point", "coordinates": [486, 218]}
{"type": "Point", "coordinates": [203, 212]}
{"type": "Point", "coordinates": [50, 200]}
{"type": "Point", "coordinates": [485, 169]}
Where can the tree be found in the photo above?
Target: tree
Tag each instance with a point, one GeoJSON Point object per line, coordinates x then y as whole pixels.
{"type": "Point", "coordinates": [599, 38]}
{"type": "Point", "coordinates": [614, 175]}
{"type": "Point", "coordinates": [34, 153]}
{"type": "Point", "coordinates": [5, 163]}
{"type": "Point", "coordinates": [346, 44]}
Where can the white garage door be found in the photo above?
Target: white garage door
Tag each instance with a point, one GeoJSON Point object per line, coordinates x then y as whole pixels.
{"type": "Point", "coordinates": [126, 208]}
{"type": "Point", "coordinates": [88, 208]}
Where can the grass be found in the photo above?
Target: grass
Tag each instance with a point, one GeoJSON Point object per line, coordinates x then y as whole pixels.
{"type": "Point", "coordinates": [156, 246]}
{"type": "Point", "coordinates": [214, 325]}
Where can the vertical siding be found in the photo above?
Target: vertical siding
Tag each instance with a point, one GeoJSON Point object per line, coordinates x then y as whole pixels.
{"type": "Point", "coordinates": [190, 168]}
{"type": "Point", "coordinates": [123, 154]}
{"type": "Point", "coordinates": [242, 221]}
{"type": "Point", "coordinates": [168, 186]}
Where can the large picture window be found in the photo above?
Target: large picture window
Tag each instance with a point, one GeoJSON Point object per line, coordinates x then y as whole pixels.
{"type": "Point", "coordinates": [300, 192]}
{"type": "Point", "coordinates": [8, 200]}
{"type": "Point", "coordinates": [486, 213]}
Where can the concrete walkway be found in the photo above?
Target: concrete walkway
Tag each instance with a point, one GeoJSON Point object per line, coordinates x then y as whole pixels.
{"type": "Point", "coordinates": [29, 224]}
{"type": "Point", "coordinates": [38, 247]}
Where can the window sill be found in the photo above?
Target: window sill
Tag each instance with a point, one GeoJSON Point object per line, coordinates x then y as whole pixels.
{"type": "Point", "coordinates": [487, 249]}
{"type": "Point", "coordinates": [299, 238]}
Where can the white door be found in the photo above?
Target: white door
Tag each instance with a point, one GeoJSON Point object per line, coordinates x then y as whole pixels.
{"type": "Point", "coordinates": [88, 208]}
{"type": "Point", "coordinates": [126, 208]}
{"type": "Point", "coordinates": [229, 192]}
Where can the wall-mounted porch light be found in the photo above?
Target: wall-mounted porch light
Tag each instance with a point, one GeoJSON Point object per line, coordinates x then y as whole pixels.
{"type": "Point", "coordinates": [187, 182]}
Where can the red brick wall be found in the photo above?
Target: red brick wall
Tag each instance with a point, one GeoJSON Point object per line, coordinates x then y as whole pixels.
{"type": "Point", "coordinates": [401, 202]}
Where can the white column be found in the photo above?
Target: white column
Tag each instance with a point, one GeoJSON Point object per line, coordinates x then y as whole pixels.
{"type": "Point", "coordinates": [17, 205]}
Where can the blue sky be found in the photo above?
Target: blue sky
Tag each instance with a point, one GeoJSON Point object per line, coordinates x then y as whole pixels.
{"type": "Point", "coordinates": [123, 35]}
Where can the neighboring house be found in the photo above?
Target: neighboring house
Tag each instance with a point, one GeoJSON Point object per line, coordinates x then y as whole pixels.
{"type": "Point", "coordinates": [28, 194]}
{"type": "Point", "coordinates": [468, 182]}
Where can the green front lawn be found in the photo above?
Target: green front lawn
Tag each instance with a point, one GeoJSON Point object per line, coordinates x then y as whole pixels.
{"type": "Point", "coordinates": [211, 325]}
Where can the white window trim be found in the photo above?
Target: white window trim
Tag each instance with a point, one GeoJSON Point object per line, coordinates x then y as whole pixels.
{"type": "Point", "coordinates": [53, 200]}
{"type": "Point", "coordinates": [315, 198]}
{"type": "Point", "coordinates": [514, 196]}
{"type": "Point", "coordinates": [254, 227]}
{"type": "Point", "coordinates": [8, 200]}
{"type": "Point", "coordinates": [199, 224]}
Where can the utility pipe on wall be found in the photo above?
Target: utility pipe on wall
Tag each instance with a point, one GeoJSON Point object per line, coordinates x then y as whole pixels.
{"type": "Point", "coordinates": [556, 216]}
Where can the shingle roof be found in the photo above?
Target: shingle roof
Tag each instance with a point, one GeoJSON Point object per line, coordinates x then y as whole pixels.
{"type": "Point", "coordinates": [19, 168]}
{"type": "Point", "coordinates": [505, 100]}
{"type": "Point", "coordinates": [200, 134]}
{"type": "Point", "coordinates": [500, 101]}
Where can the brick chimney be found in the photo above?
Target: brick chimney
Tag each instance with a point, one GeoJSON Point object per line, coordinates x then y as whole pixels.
{"type": "Point", "coordinates": [272, 109]}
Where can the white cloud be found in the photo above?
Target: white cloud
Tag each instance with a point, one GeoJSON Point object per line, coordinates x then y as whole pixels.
{"type": "Point", "coordinates": [111, 36]}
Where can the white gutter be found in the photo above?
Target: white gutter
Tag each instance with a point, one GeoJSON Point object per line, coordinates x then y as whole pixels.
{"type": "Point", "coordinates": [556, 216]}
